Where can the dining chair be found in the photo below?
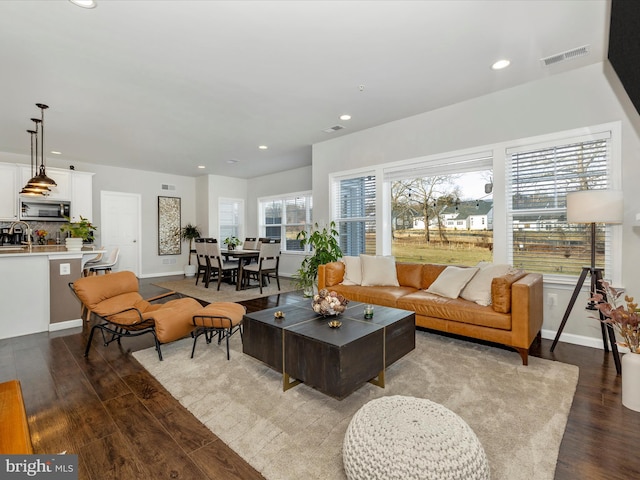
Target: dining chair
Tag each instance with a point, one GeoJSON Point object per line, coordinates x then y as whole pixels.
{"type": "Point", "coordinates": [250, 243]}
{"type": "Point", "coordinates": [201, 258]}
{"type": "Point", "coordinates": [218, 266]}
{"type": "Point", "coordinates": [267, 266]}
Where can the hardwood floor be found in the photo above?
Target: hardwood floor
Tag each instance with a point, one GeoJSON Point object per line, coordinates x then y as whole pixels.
{"type": "Point", "coordinates": [124, 425]}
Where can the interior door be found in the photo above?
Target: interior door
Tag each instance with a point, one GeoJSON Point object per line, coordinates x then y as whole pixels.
{"type": "Point", "coordinates": [120, 227]}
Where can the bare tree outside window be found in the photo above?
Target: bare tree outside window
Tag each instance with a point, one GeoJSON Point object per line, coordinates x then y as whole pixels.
{"type": "Point", "coordinates": [443, 219]}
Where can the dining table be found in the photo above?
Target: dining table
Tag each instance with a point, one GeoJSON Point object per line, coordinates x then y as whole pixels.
{"type": "Point", "coordinates": [244, 258]}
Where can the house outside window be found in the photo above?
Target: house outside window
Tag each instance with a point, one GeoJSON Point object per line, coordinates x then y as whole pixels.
{"type": "Point", "coordinates": [450, 201]}
{"type": "Point", "coordinates": [283, 217]}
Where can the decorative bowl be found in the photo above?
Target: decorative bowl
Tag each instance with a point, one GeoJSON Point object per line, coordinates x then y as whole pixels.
{"type": "Point", "coordinates": [279, 314]}
{"type": "Point", "coordinates": [335, 324]}
{"type": "Point", "coordinates": [328, 303]}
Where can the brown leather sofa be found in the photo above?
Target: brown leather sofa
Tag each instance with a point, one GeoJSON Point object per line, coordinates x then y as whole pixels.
{"type": "Point", "coordinates": [514, 317]}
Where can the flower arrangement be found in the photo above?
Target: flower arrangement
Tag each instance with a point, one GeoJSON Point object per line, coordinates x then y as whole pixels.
{"type": "Point", "coordinates": [80, 229]}
{"type": "Point", "coordinates": [42, 235]}
{"type": "Point", "coordinates": [623, 318]}
{"type": "Point", "coordinates": [328, 303]}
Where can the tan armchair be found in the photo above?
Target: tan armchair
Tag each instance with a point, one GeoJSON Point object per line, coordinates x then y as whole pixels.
{"type": "Point", "coordinates": [124, 313]}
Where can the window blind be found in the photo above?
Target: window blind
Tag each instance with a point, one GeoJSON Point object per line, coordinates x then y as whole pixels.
{"type": "Point", "coordinates": [354, 207]}
{"type": "Point", "coordinates": [538, 180]}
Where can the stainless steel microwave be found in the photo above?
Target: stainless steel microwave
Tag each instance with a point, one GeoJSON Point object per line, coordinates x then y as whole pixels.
{"type": "Point", "coordinates": [45, 210]}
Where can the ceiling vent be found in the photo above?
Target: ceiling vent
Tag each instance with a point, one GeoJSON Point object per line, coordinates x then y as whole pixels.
{"type": "Point", "coordinates": [564, 56]}
{"type": "Point", "coordinates": [335, 128]}
{"type": "Point", "coordinates": [166, 186]}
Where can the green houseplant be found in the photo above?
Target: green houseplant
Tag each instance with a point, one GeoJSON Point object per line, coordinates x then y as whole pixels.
{"type": "Point", "coordinates": [324, 246]}
{"type": "Point", "coordinates": [80, 229]}
{"type": "Point", "coordinates": [232, 242]}
{"type": "Point", "coordinates": [190, 232]}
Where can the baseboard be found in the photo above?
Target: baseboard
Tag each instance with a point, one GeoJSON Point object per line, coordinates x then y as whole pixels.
{"type": "Point", "coordinates": [574, 339]}
{"type": "Point", "coordinates": [64, 325]}
{"type": "Point", "coordinates": [163, 274]}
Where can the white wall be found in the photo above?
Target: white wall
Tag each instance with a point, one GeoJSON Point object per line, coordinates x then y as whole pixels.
{"type": "Point", "coordinates": [567, 101]}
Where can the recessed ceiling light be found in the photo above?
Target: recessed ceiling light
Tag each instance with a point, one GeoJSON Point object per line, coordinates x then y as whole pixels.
{"type": "Point", "coordinates": [201, 166]}
{"type": "Point", "coordinates": [500, 64]}
{"type": "Point", "coordinates": [263, 147]}
{"type": "Point", "coordinates": [345, 117]}
{"type": "Point", "coordinates": [54, 152]}
{"type": "Point", "coordinates": [85, 3]}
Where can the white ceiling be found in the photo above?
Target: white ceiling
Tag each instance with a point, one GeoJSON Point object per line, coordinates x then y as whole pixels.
{"type": "Point", "coordinates": [169, 85]}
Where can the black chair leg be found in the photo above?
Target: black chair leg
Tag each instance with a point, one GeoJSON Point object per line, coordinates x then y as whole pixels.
{"type": "Point", "coordinates": [86, 350]}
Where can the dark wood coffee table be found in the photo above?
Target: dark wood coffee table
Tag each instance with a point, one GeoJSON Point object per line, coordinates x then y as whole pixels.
{"type": "Point", "coordinates": [335, 361]}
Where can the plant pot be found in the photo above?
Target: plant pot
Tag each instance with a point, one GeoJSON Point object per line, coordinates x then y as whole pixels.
{"type": "Point", "coordinates": [631, 381]}
{"type": "Point", "coordinates": [73, 244]}
{"type": "Point", "coordinates": [190, 270]}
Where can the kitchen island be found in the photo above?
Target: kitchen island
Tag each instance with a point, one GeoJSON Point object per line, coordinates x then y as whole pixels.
{"type": "Point", "coordinates": [34, 292]}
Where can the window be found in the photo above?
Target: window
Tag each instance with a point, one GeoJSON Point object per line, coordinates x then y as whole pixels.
{"type": "Point", "coordinates": [230, 217]}
{"type": "Point", "coordinates": [539, 178]}
{"type": "Point", "coordinates": [442, 209]}
{"type": "Point", "coordinates": [283, 217]}
{"type": "Point", "coordinates": [354, 211]}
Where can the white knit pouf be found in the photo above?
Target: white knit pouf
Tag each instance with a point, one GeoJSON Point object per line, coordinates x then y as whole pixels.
{"type": "Point", "coordinates": [405, 438]}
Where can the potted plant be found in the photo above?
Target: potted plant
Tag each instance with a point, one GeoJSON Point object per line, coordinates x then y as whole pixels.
{"type": "Point", "coordinates": [232, 242]}
{"type": "Point", "coordinates": [325, 248]}
{"type": "Point", "coordinates": [624, 318]}
{"type": "Point", "coordinates": [190, 232]}
{"type": "Point", "coordinates": [78, 232]}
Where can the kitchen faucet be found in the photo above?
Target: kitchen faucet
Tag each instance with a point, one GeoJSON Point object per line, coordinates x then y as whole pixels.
{"type": "Point", "coordinates": [28, 230]}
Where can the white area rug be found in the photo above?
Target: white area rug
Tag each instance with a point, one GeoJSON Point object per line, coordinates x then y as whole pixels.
{"type": "Point", "coordinates": [519, 413]}
{"type": "Point", "coordinates": [227, 292]}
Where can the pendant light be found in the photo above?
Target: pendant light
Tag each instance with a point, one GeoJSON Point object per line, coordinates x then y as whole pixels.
{"type": "Point", "coordinates": [29, 189]}
{"type": "Point", "coordinates": [41, 180]}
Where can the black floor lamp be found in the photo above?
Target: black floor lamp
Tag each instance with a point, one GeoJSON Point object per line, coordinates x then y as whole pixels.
{"type": "Point", "coordinates": [593, 206]}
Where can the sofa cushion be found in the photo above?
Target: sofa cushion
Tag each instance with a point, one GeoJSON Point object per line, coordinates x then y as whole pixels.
{"type": "Point", "coordinates": [454, 309]}
{"type": "Point", "coordinates": [452, 280]}
{"type": "Point", "coordinates": [334, 273]}
{"type": "Point", "coordinates": [479, 287]}
{"type": "Point", "coordinates": [409, 274]}
{"type": "Point", "coordinates": [352, 271]}
{"type": "Point", "coordinates": [381, 295]}
{"type": "Point", "coordinates": [501, 290]}
{"type": "Point", "coordinates": [379, 270]}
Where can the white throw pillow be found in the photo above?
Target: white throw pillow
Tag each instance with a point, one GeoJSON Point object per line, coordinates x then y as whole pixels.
{"type": "Point", "coordinates": [479, 288]}
{"type": "Point", "coordinates": [379, 270]}
{"type": "Point", "coordinates": [451, 281]}
{"type": "Point", "coordinates": [352, 271]}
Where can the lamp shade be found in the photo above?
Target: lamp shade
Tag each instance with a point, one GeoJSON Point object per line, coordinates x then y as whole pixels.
{"type": "Point", "coordinates": [594, 206]}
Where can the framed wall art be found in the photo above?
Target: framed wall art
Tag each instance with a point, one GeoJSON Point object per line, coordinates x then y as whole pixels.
{"type": "Point", "coordinates": [169, 213]}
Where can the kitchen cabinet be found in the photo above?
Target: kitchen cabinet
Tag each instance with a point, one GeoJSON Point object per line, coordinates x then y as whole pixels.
{"type": "Point", "coordinates": [82, 195]}
{"type": "Point", "coordinates": [8, 192]}
{"type": "Point", "coordinates": [62, 177]}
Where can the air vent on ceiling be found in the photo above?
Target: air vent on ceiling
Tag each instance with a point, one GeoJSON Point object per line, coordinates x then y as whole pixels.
{"type": "Point", "coordinates": [564, 56]}
{"type": "Point", "coordinates": [335, 128]}
{"type": "Point", "coordinates": [166, 186]}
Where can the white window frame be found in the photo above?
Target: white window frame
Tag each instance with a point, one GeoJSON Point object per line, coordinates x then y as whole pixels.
{"type": "Point", "coordinates": [262, 226]}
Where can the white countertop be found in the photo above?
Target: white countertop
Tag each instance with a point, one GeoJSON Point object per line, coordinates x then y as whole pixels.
{"type": "Point", "coordinates": [48, 250]}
